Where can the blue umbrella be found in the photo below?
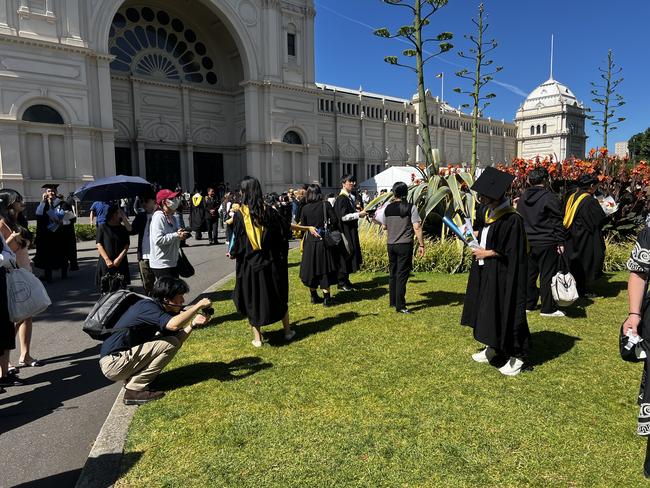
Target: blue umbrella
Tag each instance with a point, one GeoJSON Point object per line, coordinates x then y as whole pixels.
{"type": "Point", "coordinates": [113, 188]}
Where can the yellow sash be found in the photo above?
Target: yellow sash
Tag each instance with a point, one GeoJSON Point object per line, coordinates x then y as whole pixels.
{"type": "Point", "coordinates": [196, 199]}
{"type": "Point", "coordinates": [572, 207]}
{"type": "Point", "coordinates": [498, 214]}
{"type": "Point", "coordinates": [253, 231]}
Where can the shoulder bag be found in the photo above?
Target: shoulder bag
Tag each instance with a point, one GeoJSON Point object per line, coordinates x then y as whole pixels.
{"type": "Point", "coordinates": [331, 238]}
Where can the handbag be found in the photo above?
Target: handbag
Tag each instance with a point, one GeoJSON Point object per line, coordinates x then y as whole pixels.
{"type": "Point", "coordinates": [331, 238]}
{"type": "Point", "coordinates": [185, 268]}
{"type": "Point", "coordinates": [563, 285]}
{"type": "Point", "coordinates": [26, 295]}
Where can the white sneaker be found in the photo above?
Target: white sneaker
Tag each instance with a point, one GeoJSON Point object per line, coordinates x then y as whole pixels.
{"type": "Point", "coordinates": [557, 313]}
{"type": "Point", "coordinates": [512, 367]}
{"type": "Point", "coordinates": [256, 343]}
{"type": "Point", "coordinates": [484, 356]}
{"type": "Point", "coordinates": [289, 335]}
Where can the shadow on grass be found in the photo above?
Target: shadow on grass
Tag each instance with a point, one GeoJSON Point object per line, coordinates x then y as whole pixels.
{"type": "Point", "coordinates": [548, 345]}
{"type": "Point", "coordinates": [276, 338]}
{"type": "Point", "coordinates": [373, 283]}
{"type": "Point", "coordinates": [437, 299]}
{"type": "Point", "coordinates": [609, 289]}
{"type": "Point", "coordinates": [192, 374]}
{"type": "Point", "coordinates": [218, 296]}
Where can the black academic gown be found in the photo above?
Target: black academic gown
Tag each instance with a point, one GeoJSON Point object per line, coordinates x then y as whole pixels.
{"type": "Point", "coordinates": [320, 264]}
{"type": "Point", "coordinates": [495, 303]}
{"type": "Point", "coordinates": [262, 282]}
{"type": "Point", "coordinates": [586, 242]}
{"type": "Point", "coordinates": [50, 246]}
{"type": "Point", "coordinates": [197, 215]}
{"type": "Point", "coordinates": [350, 263]}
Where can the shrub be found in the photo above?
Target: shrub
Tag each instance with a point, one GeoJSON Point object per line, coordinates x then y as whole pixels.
{"type": "Point", "coordinates": [84, 232]}
{"type": "Point", "coordinates": [443, 256]}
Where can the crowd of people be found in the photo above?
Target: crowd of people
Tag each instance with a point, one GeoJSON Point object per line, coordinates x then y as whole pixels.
{"type": "Point", "coordinates": [518, 247]}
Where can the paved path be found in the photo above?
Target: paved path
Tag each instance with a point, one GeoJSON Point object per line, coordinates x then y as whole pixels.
{"type": "Point", "coordinates": [47, 428]}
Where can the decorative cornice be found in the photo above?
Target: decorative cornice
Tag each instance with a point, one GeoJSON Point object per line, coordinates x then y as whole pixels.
{"type": "Point", "coordinates": [184, 86]}
{"type": "Point", "coordinates": [24, 41]}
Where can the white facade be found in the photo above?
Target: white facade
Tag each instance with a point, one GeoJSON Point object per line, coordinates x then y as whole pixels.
{"type": "Point", "coordinates": [551, 122]}
{"type": "Point", "coordinates": [621, 150]}
{"type": "Point", "coordinates": [196, 92]}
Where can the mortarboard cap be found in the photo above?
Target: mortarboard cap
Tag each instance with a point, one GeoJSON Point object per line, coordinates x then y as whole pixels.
{"type": "Point", "coordinates": [586, 180]}
{"type": "Point", "coordinates": [50, 186]}
{"type": "Point", "coordinates": [493, 183]}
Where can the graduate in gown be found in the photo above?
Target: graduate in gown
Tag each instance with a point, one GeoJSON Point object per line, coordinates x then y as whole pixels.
{"type": "Point", "coordinates": [197, 214]}
{"type": "Point", "coordinates": [638, 322]}
{"type": "Point", "coordinates": [495, 303]}
{"type": "Point", "coordinates": [50, 236]}
{"type": "Point", "coordinates": [584, 218]}
{"type": "Point", "coordinates": [320, 264]}
{"type": "Point", "coordinates": [260, 244]}
{"type": "Point", "coordinates": [348, 217]}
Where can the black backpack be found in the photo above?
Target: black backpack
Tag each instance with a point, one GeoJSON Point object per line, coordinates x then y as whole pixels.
{"type": "Point", "coordinates": [107, 311]}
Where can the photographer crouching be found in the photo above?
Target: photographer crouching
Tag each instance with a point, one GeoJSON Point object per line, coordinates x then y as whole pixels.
{"type": "Point", "coordinates": [148, 335]}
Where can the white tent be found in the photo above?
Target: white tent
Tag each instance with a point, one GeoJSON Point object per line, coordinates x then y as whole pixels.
{"type": "Point", "coordinates": [389, 176]}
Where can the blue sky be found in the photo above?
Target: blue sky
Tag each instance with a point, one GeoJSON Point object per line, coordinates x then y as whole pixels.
{"type": "Point", "coordinates": [348, 55]}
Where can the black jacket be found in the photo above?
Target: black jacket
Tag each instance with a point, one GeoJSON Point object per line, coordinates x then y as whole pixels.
{"type": "Point", "coordinates": [543, 217]}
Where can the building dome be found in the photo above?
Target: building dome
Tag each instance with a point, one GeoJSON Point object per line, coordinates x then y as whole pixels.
{"type": "Point", "coordinates": [548, 94]}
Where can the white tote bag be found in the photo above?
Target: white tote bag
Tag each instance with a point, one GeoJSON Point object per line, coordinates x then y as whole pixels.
{"type": "Point", "coordinates": [563, 285]}
{"type": "Point", "coordinates": [26, 295]}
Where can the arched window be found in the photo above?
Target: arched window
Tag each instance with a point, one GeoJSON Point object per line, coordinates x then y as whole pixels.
{"type": "Point", "coordinates": [292, 137]}
{"type": "Point", "coordinates": [42, 114]}
{"type": "Point", "coordinates": [532, 130]}
{"type": "Point", "coordinates": [539, 129]}
{"type": "Point", "coordinates": [544, 129]}
{"type": "Point", "coordinates": [157, 45]}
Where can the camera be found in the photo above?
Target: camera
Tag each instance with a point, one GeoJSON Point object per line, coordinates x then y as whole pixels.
{"type": "Point", "coordinates": [208, 311]}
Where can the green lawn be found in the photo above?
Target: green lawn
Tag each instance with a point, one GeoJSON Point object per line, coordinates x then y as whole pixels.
{"type": "Point", "coordinates": [366, 397]}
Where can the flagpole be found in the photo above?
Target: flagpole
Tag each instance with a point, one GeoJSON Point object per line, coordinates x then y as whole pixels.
{"type": "Point", "coordinates": [442, 90]}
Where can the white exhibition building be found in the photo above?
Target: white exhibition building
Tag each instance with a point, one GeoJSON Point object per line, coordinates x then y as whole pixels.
{"type": "Point", "coordinates": [206, 91]}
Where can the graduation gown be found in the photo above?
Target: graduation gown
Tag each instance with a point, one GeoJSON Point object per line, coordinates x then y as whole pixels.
{"type": "Point", "coordinates": [495, 302]}
{"type": "Point", "coordinates": [262, 282]}
{"type": "Point", "coordinates": [197, 214]}
{"type": "Point", "coordinates": [320, 264]}
{"type": "Point", "coordinates": [350, 263]}
{"type": "Point", "coordinates": [50, 246]}
{"type": "Point", "coordinates": [586, 242]}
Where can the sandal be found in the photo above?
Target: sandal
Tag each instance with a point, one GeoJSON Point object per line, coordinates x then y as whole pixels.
{"type": "Point", "coordinates": [34, 363]}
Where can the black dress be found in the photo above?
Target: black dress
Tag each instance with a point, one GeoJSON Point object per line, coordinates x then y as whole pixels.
{"type": "Point", "coordinates": [319, 266]}
{"type": "Point", "coordinates": [114, 238]}
{"type": "Point", "coordinates": [586, 242]}
{"type": "Point", "coordinates": [50, 245]}
{"type": "Point", "coordinates": [262, 282]}
{"type": "Point", "coordinates": [350, 263]}
{"type": "Point", "coordinates": [495, 303]}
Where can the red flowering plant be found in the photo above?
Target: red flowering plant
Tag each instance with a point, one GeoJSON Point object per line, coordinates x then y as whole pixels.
{"type": "Point", "coordinates": [628, 185]}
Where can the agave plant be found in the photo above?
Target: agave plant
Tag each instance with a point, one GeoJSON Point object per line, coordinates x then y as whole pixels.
{"type": "Point", "coordinates": [436, 198]}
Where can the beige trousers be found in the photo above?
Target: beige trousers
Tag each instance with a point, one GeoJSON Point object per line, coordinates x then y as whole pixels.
{"type": "Point", "coordinates": [140, 365]}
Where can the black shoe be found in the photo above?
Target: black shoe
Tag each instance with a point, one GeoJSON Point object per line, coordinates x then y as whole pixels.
{"type": "Point", "coordinates": [74, 268]}
{"type": "Point", "coordinates": [405, 311]}
{"type": "Point", "coordinates": [12, 380]}
{"type": "Point", "coordinates": [346, 287]}
{"type": "Point", "coordinates": [132, 397]}
{"type": "Point", "coordinates": [2, 390]}
{"type": "Point", "coordinates": [328, 302]}
{"type": "Point", "coordinates": [316, 299]}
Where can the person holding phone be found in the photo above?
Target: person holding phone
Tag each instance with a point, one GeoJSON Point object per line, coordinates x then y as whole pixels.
{"type": "Point", "coordinates": [165, 235]}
